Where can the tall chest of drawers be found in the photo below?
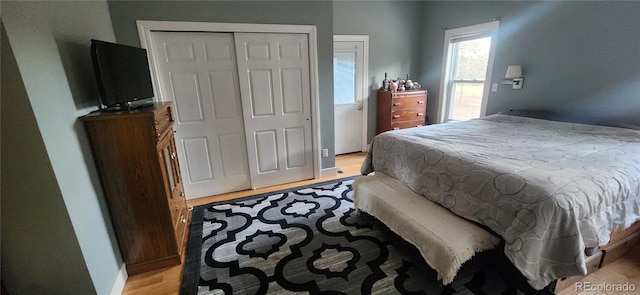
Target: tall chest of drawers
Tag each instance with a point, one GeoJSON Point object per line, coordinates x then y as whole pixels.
{"type": "Point", "coordinates": [135, 154]}
{"type": "Point", "coordinates": [401, 109]}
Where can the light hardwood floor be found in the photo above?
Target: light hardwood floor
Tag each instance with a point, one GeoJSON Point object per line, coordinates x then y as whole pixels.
{"type": "Point", "coordinates": [167, 281]}
{"type": "Point", "coordinates": [622, 271]}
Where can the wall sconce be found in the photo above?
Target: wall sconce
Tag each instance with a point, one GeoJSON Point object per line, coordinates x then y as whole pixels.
{"type": "Point", "coordinates": [514, 77]}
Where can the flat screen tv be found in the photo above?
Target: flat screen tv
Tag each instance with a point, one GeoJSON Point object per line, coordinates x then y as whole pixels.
{"type": "Point", "coordinates": [122, 72]}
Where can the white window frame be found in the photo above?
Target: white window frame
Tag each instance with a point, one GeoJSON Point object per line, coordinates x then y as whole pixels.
{"type": "Point", "coordinates": [490, 29]}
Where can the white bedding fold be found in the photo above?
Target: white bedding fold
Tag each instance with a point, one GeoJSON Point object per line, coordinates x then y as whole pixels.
{"type": "Point", "coordinates": [446, 241]}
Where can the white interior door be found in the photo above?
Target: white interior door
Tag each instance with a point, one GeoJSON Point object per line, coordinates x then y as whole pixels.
{"type": "Point", "coordinates": [275, 86]}
{"type": "Point", "coordinates": [198, 72]}
{"type": "Point", "coordinates": [348, 88]}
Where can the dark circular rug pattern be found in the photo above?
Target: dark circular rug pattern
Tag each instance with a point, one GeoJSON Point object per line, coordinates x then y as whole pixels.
{"type": "Point", "coordinates": [307, 240]}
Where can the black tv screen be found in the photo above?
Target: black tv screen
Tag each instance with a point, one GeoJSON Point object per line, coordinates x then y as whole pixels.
{"type": "Point", "coordinates": [122, 72]}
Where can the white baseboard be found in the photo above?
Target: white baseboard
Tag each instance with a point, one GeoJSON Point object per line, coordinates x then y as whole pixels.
{"type": "Point", "coordinates": [329, 172]}
{"type": "Point", "coordinates": [121, 280]}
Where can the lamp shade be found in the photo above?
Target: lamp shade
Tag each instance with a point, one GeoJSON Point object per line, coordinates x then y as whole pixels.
{"type": "Point", "coordinates": [513, 72]}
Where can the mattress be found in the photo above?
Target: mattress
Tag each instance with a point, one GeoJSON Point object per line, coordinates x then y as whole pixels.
{"type": "Point", "coordinates": [549, 189]}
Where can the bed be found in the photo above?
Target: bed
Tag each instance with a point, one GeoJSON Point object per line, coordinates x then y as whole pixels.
{"type": "Point", "coordinates": [549, 189]}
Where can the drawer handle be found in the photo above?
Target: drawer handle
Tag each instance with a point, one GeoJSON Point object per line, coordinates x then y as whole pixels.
{"type": "Point", "coordinates": [420, 101]}
{"type": "Point", "coordinates": [183, 219]}
{"type": "Point", "coordinates": [395, 104]}
{"type": "Point", "coordinates": [396, 116]}
{"type": "Point", "coordinates": [420, 114]}
{"type": "Point", "coordinates": [396, 128]}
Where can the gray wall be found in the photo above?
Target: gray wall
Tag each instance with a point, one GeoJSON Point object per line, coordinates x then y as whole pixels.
{"type": "Point", "coordinates": [56, 232]}
{"type": "Point", "coordinates": [319, 13]}
{"type": "Point", "coordinates": [40, 252]}
{"type": "Point", "coordinates": [580, 57]}
{"type": "Point", "coordinates": [393, 28]}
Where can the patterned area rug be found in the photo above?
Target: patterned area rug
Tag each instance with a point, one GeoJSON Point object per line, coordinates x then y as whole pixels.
{"type": "Point", "coordinates": [307, 240]}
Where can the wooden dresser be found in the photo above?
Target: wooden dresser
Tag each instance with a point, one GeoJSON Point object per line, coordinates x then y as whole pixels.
{"type": "Point", "coordinates": [136, 157]}
{"type": "Point", "coordinates": [401, 109]}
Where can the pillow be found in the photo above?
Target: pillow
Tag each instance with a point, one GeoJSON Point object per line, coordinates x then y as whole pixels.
{"type": "Point", "coordinates": [572, 118]}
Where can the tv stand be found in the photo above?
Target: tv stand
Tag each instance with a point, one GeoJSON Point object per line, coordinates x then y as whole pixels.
{"type": "Point", "coordinates": [135, 153]}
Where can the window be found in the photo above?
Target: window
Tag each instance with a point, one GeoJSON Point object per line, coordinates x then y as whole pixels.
{"type": "Point", "coordinates": [467, 64]}
{"type": "Point", "coordinates": [344, 77]}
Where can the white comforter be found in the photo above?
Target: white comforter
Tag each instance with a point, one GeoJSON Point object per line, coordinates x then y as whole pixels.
{"type": "Point", "coordinates": [549, 188]}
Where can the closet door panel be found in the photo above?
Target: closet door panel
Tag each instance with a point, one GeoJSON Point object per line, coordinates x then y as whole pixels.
{"type": "Point", "coordinates": [274, 83]}
{"type": "Point", "coordinates": [198, 72]}
{"type": "Point", "coordinates": [243, 107]}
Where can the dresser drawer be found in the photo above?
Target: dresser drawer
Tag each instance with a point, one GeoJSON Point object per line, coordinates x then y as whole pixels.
{"type": "Point", "coordinates": [162, 119]}
{"type": "Point", "coordinates": [176, 203]}
{"type": "Point", "coordinates": [619, 235]}
{"type": "Point", "coordinates": [407, 94]}
{"type": "Point", "coordinates": [406, 124]}
{"type": "Point", "coordinates": [407, 115]}
{"type": "Point", "coordinates": [408, 102]}
{"type": "Point", "coordinates": [619, 248]}
{"type": "Point", "coordinates": [593, 262]}
{"type": "Point", "coordinates": [179, 207]}
{"type": "Point", "coordinates": [181, 227]}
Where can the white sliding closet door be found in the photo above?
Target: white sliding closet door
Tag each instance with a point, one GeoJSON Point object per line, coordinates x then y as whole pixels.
{"type": "Point", "coordinates": [198, 72]}
{"type": "Point", "coordinates": [274, 83]}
